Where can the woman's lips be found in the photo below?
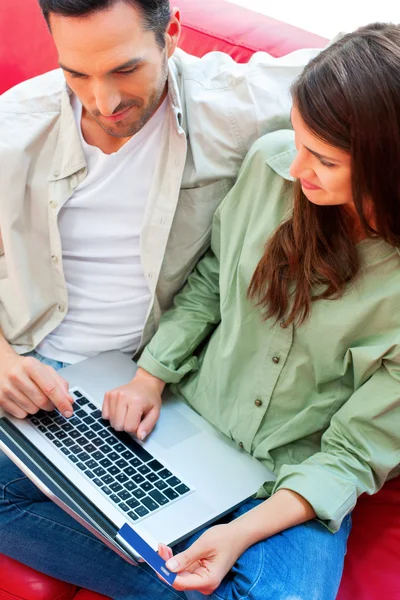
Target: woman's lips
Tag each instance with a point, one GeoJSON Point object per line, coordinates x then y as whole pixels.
{"type": "Point", "coordinates": [309, 186]}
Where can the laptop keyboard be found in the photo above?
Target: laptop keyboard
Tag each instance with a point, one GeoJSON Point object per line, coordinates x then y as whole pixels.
{"type": "Point", "coordinates": [136, 482]}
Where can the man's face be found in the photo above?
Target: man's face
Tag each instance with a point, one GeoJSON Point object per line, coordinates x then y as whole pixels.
{"type": "Point", "coordinates": [115, 67]}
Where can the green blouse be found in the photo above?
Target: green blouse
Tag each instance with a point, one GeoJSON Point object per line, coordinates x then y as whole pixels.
{"type": "Point", "coordinates": [319, 404]}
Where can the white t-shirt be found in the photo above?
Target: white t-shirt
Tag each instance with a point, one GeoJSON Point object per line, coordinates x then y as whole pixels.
{"type": "Point", "coordinates": [100, 227]}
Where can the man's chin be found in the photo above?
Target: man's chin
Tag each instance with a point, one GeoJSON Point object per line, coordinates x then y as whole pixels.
{"type": "Point", "coordinates": [120, 130]}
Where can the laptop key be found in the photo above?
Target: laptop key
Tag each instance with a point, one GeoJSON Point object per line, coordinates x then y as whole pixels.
{"type": "Point", "coordinates": [98, 482]}
{"type": "Point", "coordinates": [83, 456]}
{"type": "Point", "coordinates": [120, 447]}
{"type": "Point", "coordinates": [50, 436]}
{"type": "Point", "coordinates": [124, 507]}
{"type": "Point", "coordinates": [152, 477]}
{"type": "Point", "coordinates": [139, 494]}
{"type": "Point", "coordinates": [60, 420]}
{"type": "Point", "coordinates": [133, 516]}
{"type": "Point", "coordinates": [159, 497]}
{"type": "Point", "coordinates": [113, 456]}
{"type": "Point", "coordinates": [67, 427]}
{"type": "Point", "coordinates": [106, 490]}
{"type": "Point", "coordinates": [34, 421]}
{"type": "Point", "coordinates": [46, 421]}
{"type": "Point", "coordinates": [68, 442]}
{"type": "Point", "coordinates": [43, 429]}
{"type": "Point", "coordinates": [88, 419]}
{"type": "Point", "coordinates": [80, 413]}
{"type": "Point", "coordinates": [171, 494]}
{"type": "Point", "coordinates": [74, 421]}
{"type": "Point", "coordinates": [90, 435]}
{"type": "Point", "coordinates": [150, 504]}
{"type": "Point", "coordinates": [81, 466]}
{"type": "Point", "coordinates": [130, 471]}
{"type": "Point", "coordinates": [135, 462]}
{"type": "Point", "coordinates": [161, 485]}
{"type": "Point", "coordinates": [116, 487]}
{"type": "Point", "coordinates": [182, 489]}
{"type": "Point", "coordinates": [106, 449]}
{"type": "Point", "coordinates": [98, 455]}
{"type": "Point", "coordinates": [127, 454]}
{"type": "Point", "coordinates": [75, 449]}
{"type": "Point", "coordinates": [83, 427]}
{"type": "Point", "coordinates": [155, 465]}
{"type": "Point", "coordinates": [82, 401]}
{"type": "Point", "coordinates": [138, 478]}
{"type": "Point", "coordinates": [115, 498]}
{"type": "Point", "coordinates": [122, 478]}
{"type": "Point", "coordinates": [96, 427]}
{"type": "Point", "coordinates": [60, 435]}
{"type": "Point", "coordinates": [97, 413]}
{"type": "Point", "coordinates": [82, 441]}
{"type": "Point", "coordinates": [90, 474]}
{"type": "Point", "coordinates": [65, 451]}
{"type": "Point", "coordinates": [54, 428]}
{"type": "Point", "coordinates": [91, 464]}
{"type": "Point", "coordinates": [129, 485]}
{"type": "Point", "coordinates": [173, 481]}
{"type": "Point", "coordinates": [132, 445]}
{"type": "Point", "coordinates": [77, 394]}
{"type": "Point", "coordinates": [141, 511]}
{"type": "Point", "coordinates": [124, 495]}
{"type": "Point", "coordinates": [57, 443]}
{"type": "Point", "coordinates": [111, 440]}
{"type": "Point", "coordinates": [105, 462]}
{"type": "Point", "coordinates": [144, 470]}
{"type": "Point", "coordinates": [107, 479]}
{"type": "Point", "coordinates": [133, 503]}
{"type": "Point", "coordinates": [164, 474]}
{"type": "Point", "coordinates": [146, 486]}
{"type": "Point", "coordinates": [104, 433]}
{"type": "Point", "coordinates": [73, 458]}
{"type": "Point", "coordinates": [121, 463]}
{"type": "Point", "coordinates": [113, 470]}
{"type": "Point", "coordinates": [75, 434]}
{"type": "Point", "coordinates": [99, 471]}
{"type": "Point", "coordinates": [90, 448]}
{"type": "Point", "coordinates": [97, 441]}
{"type": "Point", "coordinates": [92, 407]}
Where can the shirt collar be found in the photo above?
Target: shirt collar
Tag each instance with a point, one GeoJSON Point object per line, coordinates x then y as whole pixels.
{"type": "Point", "coordinates": [286, 152]}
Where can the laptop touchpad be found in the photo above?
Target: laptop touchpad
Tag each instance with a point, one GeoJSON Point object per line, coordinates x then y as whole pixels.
{"type": "Point", "coordinates": [173, 428]}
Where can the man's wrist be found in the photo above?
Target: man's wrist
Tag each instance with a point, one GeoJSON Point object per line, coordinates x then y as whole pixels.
{"type": "Point", "coordinates": [158, 383]}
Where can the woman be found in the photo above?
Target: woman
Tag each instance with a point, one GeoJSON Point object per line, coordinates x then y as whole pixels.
{"type": "Point", "coordinates": [287, 335]}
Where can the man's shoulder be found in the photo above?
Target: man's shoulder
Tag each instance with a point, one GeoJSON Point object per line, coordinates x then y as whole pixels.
{"type": "Point", "coordinates": [38, 95]}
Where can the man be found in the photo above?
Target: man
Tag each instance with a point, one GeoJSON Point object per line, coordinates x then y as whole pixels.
{"type": "Point", "coordinates": [108, 188]}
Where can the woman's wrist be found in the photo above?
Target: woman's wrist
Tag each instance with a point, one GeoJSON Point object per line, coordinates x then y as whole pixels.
{"type": "Point", "coordinates": [150, 379]}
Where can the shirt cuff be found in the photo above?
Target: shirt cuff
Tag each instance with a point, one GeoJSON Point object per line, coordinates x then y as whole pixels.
{"type": "Point", "coordinates": [157, 369]}
{"type": "Point", "coordinates": [320, 488]}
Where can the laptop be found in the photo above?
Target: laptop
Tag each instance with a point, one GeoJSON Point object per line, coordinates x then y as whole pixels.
{"type": "Point", "coordinates": [184, 476]}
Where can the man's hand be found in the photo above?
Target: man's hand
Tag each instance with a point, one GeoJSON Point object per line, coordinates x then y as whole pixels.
{"type": "Point", "coordinates": [203, 566]}
{"type": "Point", "coordinates": [135, 407]}
{"type": "Point", "coordinates": [27, 385]}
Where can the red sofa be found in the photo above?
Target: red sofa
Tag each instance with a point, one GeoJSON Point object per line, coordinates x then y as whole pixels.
{"type": "Point", "coordinates": [372, 568]}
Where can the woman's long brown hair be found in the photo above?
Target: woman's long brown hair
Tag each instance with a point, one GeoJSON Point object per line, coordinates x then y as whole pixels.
{"type": "Point", "coordinates": [349, 97]}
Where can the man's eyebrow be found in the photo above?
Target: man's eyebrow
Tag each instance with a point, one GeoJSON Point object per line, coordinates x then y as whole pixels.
{"type": "Point", "coordinates": [328, 158]}
{"type": "Point", "coordinates": [126, 65]}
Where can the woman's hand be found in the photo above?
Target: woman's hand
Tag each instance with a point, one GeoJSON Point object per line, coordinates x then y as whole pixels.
{"type": "Point", "coordinates": [135, 407]}
{"type": "Point", "coordinates": [203, 566]}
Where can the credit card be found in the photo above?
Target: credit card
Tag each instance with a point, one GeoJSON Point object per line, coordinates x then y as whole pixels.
{"type": "Point", "coordinates": [129, 538]}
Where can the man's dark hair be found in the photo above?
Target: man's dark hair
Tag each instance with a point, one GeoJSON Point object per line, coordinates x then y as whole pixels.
{"type": "Point", "coordinates": [156, 13]}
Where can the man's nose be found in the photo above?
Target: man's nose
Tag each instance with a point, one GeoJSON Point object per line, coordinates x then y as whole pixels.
{"type": "Point", "coordinates": [107, 99]}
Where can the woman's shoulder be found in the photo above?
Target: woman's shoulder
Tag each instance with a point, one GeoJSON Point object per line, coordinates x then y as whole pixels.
{"type": "Point", "coordinates": [277, 150]}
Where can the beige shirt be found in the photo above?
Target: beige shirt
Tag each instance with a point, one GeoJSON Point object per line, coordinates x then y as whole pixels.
{"type": "Point", "coordinates": [217, 109]}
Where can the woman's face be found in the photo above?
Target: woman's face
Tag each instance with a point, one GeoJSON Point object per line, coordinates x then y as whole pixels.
{"type": "Point", "coordinates": [323, 170]}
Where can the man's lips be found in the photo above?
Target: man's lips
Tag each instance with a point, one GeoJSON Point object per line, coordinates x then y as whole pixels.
{"type": "Point", "coordinates": [309, 186]}
{"type": "Point", "coordinates": [118, 116]}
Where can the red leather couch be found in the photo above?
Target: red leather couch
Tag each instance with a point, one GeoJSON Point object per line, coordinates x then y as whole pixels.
{"type": "Point", "coordinates": [372, 568]}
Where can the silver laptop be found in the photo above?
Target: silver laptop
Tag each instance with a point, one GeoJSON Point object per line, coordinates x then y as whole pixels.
{"type": "Point", "coordinates": [184, 476]}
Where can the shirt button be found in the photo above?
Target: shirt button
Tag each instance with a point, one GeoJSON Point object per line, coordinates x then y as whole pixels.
{"type": "Point", "coordinates": [54, 258]}
{"type": "Point", "coordinates": [61, 307]}
{"type": "Point", "coordinates": [258, 402]}
{"type": "Point", "coordinates": [56, 174]}
{"type": "Point", "coordinates": [282, 325]}
{"type": "Point", "coordinates": [275, 359]}
{"type": "Point", "coordinates": [241, 445]}
{"type": "Point", "coordinates": [53, 204]}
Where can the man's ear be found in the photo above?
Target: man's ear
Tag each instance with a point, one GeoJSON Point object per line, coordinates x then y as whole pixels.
{"type": "Point", "coordinates": [173, 32]}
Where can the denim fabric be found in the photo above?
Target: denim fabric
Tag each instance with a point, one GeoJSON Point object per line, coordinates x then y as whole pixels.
{"type": "Point", "coordinates": [301, 563]}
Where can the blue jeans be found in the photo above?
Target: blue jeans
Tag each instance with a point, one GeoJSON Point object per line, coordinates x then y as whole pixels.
{"type": "Point", "coordinates": [301, 563]}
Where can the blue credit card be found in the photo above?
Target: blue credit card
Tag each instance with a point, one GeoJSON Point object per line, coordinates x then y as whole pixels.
{"type": "Point", "coordinates": [139, 546]}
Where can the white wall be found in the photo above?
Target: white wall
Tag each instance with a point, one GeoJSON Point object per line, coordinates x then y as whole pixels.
{"type": "Point", "coordinates": [327, 17]}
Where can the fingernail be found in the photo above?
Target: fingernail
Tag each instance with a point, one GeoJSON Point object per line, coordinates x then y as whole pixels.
{"type": "Point", "coordinates": [68, 414]}
{"type": "Point", "coordinates": [172, 564]}
{"type": "Point", "coordinates": [143, 435]}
